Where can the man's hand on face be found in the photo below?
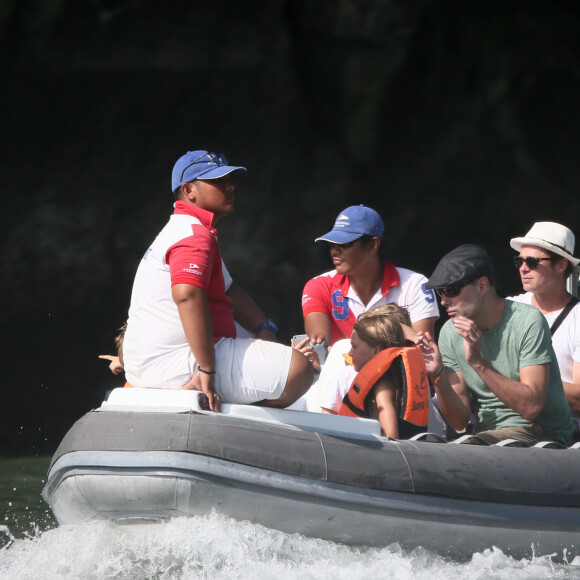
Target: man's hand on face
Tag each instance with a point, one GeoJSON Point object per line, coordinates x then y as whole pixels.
{"type": "Point", "coordinates": [471, 334]}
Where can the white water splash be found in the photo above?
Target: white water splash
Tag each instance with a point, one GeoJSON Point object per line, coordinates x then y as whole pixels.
{"type": "Point", "coordinates": [218, 547]}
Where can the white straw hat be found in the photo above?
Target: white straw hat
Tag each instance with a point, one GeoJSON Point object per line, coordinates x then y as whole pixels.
{"type": "Point", "coordinates": [549, 236]}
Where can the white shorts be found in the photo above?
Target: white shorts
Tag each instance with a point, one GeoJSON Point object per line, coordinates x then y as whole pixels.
{"type": "Point", "coordinates": [248, 370]}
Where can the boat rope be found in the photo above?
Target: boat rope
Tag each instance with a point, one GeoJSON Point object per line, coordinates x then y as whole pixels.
{"type": "Point", "coordinates": [324, 455]}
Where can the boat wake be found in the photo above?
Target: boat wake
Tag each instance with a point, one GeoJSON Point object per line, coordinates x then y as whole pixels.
{"type": "Point", "coordinates": [215, 546]}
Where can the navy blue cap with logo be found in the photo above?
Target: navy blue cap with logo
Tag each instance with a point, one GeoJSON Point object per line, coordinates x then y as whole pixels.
{"type": "Point", "coordinates": [352, 223]}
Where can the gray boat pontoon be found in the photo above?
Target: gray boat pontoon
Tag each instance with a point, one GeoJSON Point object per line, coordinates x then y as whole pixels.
{"type": "Point", "coordinates": [148, 455]}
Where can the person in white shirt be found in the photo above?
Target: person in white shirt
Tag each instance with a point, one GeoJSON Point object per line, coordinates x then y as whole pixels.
{"type": "Point", "coordinates": [545, 262]}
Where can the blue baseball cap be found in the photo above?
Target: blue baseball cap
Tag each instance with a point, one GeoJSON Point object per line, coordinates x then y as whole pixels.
{"type": "Point", "coordinates": [352, 223]}
{"type": "Point", "coordinates": [201, 165]}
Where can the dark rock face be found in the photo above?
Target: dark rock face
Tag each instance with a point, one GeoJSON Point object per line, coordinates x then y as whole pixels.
{"type": "Point", "coordinates": [456, 120]}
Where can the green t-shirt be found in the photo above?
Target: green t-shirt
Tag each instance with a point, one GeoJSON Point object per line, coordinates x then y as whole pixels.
{"type": "Point", "coordinates": [520, 339]}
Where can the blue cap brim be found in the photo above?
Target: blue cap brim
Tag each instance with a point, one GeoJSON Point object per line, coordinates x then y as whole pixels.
{"type": "Point", "coordinates": [223, 170]}
{"type": "Point", "coordinates": [339, 237]}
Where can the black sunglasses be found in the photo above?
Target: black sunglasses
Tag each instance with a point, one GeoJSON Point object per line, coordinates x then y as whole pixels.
{"type": "Point", "coordinates": [344, 246]}
{"type": "Point", "coordinates": [531, 263]}
{"type": "Point", "coordinates": [453, 290]}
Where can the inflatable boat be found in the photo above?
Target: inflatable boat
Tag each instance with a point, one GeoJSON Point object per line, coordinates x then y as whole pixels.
{"type": "Point", "coordinates": [147, 455]}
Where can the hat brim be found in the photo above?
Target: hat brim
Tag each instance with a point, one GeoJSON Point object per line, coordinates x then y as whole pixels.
{"type": "Point", "coordinates": [339, 237]}
{"type": "Point", "coordinates": [222, 171]}
{"type": "Point", "coordinates": [517, 243]}
{"type": "Point", "coordinates": [438, 285]}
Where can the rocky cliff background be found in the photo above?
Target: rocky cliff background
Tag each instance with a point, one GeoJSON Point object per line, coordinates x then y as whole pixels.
{"type": "Point", "coordinates": [457, 120]}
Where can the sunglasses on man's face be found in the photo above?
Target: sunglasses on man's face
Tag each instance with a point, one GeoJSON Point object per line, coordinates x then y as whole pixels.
{"type": "Point", "coordinates": [453, 290]}
{"type": "Point", "coordinates": [344, 246]}
{"type": "Point", "coordinates": [531, 263]}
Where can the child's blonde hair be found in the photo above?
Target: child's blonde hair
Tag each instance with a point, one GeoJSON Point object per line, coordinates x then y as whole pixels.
{"type": "Point", "coordinates": [380, 330]}
{"type": "Point", "coordinates": [391, 310]}
{"type": "Point", "coordinates": [119, 342]}
{"type": "Point", "coordinates": [382, 327]}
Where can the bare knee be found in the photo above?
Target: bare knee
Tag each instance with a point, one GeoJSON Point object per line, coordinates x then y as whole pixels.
{"type": "Point", "coordinates": [300, 378]}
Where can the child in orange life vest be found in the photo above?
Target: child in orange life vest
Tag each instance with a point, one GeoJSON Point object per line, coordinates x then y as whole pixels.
{"type": "Point", "coordinates": [370, 336]}
{"type": "Point", "coordinates": [342, 379]}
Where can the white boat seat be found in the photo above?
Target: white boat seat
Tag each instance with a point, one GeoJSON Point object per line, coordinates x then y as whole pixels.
{"type": "Point", "coordinates": [182, 401]}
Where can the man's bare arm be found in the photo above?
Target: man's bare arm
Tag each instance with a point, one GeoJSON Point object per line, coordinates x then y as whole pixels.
{"type": "Point", "coordinates": [318, 328]}
{"type": "Point", "coordinates": [452, 392]}
{"type": "Point", "coordinates": [572, 390]}
{"type": "Point", "coordinates": [195, 317]}
{"type": "Point", "coordinates": [425, 325]}
{"type": "Point", "coordinates": [247, 312]}
{"type": "Point", "coordinates": [526, 396]}
{"type": "Point", "coordinates": [454, 400]}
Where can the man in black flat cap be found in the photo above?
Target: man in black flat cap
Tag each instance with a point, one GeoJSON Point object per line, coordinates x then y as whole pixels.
{"type": "Point", "coordinates": [495, 352]}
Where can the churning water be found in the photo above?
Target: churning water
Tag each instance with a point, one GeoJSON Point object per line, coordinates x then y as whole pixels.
{"type": "Point", "coordinates": [34, 547]}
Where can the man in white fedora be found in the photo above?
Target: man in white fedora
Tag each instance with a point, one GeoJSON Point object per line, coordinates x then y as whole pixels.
{"type": "Point", "coordinates": [545, 262]}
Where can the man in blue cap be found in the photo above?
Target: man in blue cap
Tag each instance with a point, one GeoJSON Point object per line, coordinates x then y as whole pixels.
{"type": "Point", "coordinates": [363, 278]}
{"type": "Point", "coordinates": [181, 331]}
{"type": "Point", "coordinates": [496, 353]}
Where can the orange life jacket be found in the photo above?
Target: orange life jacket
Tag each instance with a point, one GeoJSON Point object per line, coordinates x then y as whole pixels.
{"type": "Point", "coordinates": [415, 400]}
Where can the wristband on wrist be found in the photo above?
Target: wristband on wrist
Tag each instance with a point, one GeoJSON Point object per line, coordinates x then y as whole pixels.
{"type": "Point", "coordinates": [268, 324]}
{"type": "Point", "coordinates": [200, 370]}
{"type": "Point", "coordinates": [437, 376]}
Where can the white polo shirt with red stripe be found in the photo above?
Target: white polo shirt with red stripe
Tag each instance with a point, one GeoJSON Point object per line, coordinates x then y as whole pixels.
{"type": "Point", "coordinates": [155, 350]}
{"type": "Point", "coordinates": [332, 294]}
{"type": "Point", "coordinates": [184, 252]}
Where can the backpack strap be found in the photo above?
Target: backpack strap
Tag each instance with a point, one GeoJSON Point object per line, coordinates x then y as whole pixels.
{"type": "Point", "coordinates": [563, 314]}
